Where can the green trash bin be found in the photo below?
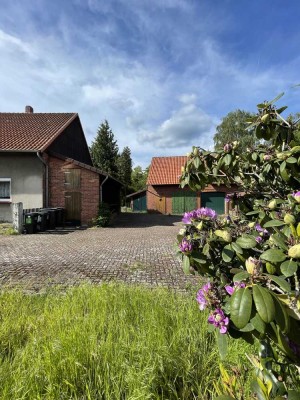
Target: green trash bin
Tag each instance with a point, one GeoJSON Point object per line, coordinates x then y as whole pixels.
{"type": "Point", "coordinates": [30, 223]}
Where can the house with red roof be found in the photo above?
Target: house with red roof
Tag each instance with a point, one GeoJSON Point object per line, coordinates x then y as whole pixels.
{"type": "Point", "coordinates": [45, 162]}
{"type": "Point", "coordinates": [165, 196]}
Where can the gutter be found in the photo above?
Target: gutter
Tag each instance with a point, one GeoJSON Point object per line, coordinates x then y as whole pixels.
{"type": "Point", "coordinates": [101, 190]}
{"type": "Point", "coordinates": [46, 178]}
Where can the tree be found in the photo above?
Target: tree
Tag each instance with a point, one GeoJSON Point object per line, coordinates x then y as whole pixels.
{"type": "Point", "coordinates": [252, 261]}
{"type": "Point", "coordinates": [139, 178]}
{"type": "Point", "coordinates": [104, 150]}
{"type": "Point", "coordinates": [234, 128]}
{"type": "Point", "coordinates": [125, 166]}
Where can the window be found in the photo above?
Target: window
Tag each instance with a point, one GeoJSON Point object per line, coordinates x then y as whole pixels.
{"type": "Point", "coordinates": [5, 192]}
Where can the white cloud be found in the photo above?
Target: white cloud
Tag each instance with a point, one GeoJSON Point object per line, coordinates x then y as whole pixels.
{"type": "Point", "coordinates": [187, 126]}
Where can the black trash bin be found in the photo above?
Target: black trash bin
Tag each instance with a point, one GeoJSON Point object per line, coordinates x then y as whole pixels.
{"type": "Point", "coordinates": [52, 217]}
{"type": "Point", "coordinates": [60, 220]}
{"type": "Point", "coordinates": [42, 220]}
{"type": "Point", "coordinates": [30, 223]}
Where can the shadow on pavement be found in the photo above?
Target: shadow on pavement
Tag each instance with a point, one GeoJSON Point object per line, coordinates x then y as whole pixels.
{"type": "Point", "coordinates": [136, 220]}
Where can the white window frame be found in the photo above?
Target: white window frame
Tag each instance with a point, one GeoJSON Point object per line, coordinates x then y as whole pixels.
{"type": "Point", "coordinates": [6, 200]}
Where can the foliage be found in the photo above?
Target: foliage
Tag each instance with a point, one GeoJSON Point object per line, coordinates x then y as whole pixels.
{"type": "Point", "coordinates": [7, 229]}
{"type": "Point", "coordinates": [139, 178]}
{"type": "Point", "coordinates": [104, 215]}
{"type": "Point", "coordinates": [107, 342]}
{"type": "Point", "coordinates": [125, 166]}
{"type": "Point", "coordinates": [234, 127]}
{"type": "Point", "coordinates": [104, 150]}
{"type": "Point", "coordinates": [252, 260]}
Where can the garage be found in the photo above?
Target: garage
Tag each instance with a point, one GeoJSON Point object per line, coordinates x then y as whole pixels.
{"type": "Point", "coordinates": [214, 200]}
{"type": "Point", "coordinates": [183, 201]}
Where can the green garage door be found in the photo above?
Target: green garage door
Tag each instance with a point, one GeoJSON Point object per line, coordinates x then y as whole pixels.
{"type": "Point", "coordinates": [139, 204]}
{"type": "Point", "coordinates": [183, 201]}
{"type": "Point", "coordinates": [214, 200]}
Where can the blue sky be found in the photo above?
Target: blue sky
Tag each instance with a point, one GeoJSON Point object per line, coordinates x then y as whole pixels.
{"type": "Point", "coordinates": [162, 72]}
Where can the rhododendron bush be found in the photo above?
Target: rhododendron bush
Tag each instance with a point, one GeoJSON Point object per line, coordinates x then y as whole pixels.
{"type": "Point", "coordinates": [250, 259]}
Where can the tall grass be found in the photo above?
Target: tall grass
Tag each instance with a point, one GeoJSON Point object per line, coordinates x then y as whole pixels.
{"type": "Point", "coordinates": [107, 342]}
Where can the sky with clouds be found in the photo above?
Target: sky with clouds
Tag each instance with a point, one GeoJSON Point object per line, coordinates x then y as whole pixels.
{"type": "Point", "coordinates": [162, 72]}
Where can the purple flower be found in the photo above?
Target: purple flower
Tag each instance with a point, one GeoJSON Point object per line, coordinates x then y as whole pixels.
{"type": "Point", "coordinates": [219, 320]}
{"type": "Point", "coordinates": [230, 289]}
{"type": "Point", "coordinates": [227, 198]}
{"type": "Point", "coordinates": [227, 148]}
{"type": "Point", "coordinates": [205, 212]}
{"type": "Point", "coordinates": [203, 296]}
{"type": "Point", "coordinates": [202, 212]}
{"type": "Point", "coordinates": [261, 230]}
{"type": "Point", "coordinates": [186, 246]}
{"type": "Point", "coordinates": [258, 239]}
{"type": "Point", "coordinates": [296, 196]}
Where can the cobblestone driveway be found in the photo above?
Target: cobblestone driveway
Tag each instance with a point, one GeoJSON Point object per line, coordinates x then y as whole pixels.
{"type": "Point", "coordinates": [137, 249]}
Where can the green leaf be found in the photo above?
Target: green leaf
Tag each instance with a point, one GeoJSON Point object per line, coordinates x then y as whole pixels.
{"type": "Point", "coordinates": [291, 160]}
{"type": "Point", "coordinates": [252, 212]}
{"type": "Point", "coordinates": [227, 159]}
{"type": "Point", "coordinates": [227, 253]}
{"type": "Point", "coordinates": [273, 255]}
{"type": "Point", "coordinates": [205, 250]}
{"type": "Point", "coordinates": [237, 248]}
{"type": "Point", "coordinates": [273, 222]}
{"type": "Point", "coordinates": [258, 323]}
{"type": "Point", "coordinates": [283, 284]}
{"type": "Point", "coordinates": [264, 303]}
{"type": "Point", "coordinates": [246, 242]}
{"type": "Point", "coordinates": [222, 345]}
{"type": "Point", "coordinates": [281, 316]}
{"type": "Point", "coordinates": [278, 239]}
{"type": "Point", "coordinates": [241, 307]}
{"type": "Point", "coordinates": [197, 162]}
{"type": "Point", "coordinates": [224, 397]}
{"type": "Point", "coordinates": [241, 276]}
{"type": "Point", "coordinates": [288, 268]}
{"type": "Point", "coordinates": [186, 264]}
{"type": "Point", "coordinates": [293, 395]}
{"type": "Point", "coordinates": [276, 98]}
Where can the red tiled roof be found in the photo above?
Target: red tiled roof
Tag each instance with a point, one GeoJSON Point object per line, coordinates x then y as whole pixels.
{"type": "Point", "coordinates": [31, 131]}
{"type": "Point", "coordinates": [165, 170]}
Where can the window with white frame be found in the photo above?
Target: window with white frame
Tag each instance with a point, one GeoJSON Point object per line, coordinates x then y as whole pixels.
{"type": "Point", "coordinates": [5, 189]}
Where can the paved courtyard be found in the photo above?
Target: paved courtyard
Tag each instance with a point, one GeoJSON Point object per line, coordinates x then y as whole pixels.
{"type": "Point", "coordinates": [138, 248]}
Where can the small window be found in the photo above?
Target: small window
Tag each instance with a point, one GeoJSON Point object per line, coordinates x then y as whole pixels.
{"type": "Point", "coordinates": [5, 190]}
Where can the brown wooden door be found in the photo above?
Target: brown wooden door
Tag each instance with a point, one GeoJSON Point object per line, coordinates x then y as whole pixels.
{"type": "Point", "coordinates": [73, 207]}
{"type": "Point", "coordinates": [161, 205]}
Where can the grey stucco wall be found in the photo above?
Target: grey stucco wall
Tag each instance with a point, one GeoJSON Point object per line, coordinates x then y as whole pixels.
{"type": "Point", "coordinates": [26, 174]}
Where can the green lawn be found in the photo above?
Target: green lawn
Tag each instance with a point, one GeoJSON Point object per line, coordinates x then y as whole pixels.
{"type": "Point", "coordinates": [108, 342]}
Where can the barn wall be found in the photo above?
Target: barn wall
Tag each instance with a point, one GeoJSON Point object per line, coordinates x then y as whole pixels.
{"type": "Point", "coordinates": [159, 197]}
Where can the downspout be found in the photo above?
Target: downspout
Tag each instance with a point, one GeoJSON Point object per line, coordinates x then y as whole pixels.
{"type": "Point", "coordinates": [101, 190]}
{"type": "Point", "coordinates": [46, 178]}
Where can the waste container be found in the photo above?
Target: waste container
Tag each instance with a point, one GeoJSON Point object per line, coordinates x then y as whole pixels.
{"type": "Point", "coordinates": [42, 220]}
{"type": "Point", "coordinates": [60, 216]}
{"type": "Point", "coordinates": [52, 218]}
{"type": "Point", "coordinates": [30, 223]}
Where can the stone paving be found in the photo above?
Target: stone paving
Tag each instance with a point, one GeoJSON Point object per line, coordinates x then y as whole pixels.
{"type": "Point", "coordinates": [138, 248]}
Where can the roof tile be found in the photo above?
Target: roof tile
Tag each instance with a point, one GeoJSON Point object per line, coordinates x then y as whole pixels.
{"type": "Point", "coordinates": [165, 170]}
{"type": "Point", "coordinates": [31, 131]}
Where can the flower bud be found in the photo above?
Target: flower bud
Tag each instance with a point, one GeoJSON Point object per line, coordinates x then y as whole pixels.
{"type": "Point", "coordinates": [267, 157]}
{"type": "Point", "coordinates": [297, 196]}
{"type": "Point", "coordinates": [251, 264]}
{"type": "Point", "coordinates": [289, 219]}
{"type": "Point", "coordinates": [265, 118]}
{"type": "Point", "coordinates": [271, 269]}
{"type": "Point", "coordinates": [227, 148]}
{"type": "Point", "coordinates": [196, 151]}
{"type": "Point", "coordinates": [294, 251]}
{"type": "Point", "coordinates": [272, 204]}
{"type": "Point", "coordinates": [225, 235]}
{"type": "Point", "coordinates": [251, 224]}
{"type": "Point", "coordinates": [182, 169]}
{"type": "Point", "coordinates": [235, 144]}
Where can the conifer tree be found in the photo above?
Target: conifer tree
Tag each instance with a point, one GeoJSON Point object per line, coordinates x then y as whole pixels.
{"type": "Point", "coordinates": [104, 150]}
{"type": "Point", "coordinates": [125, 166]}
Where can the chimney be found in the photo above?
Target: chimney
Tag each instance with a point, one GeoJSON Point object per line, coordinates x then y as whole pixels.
{"type": "Point", "coordinates": [28, 110]}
